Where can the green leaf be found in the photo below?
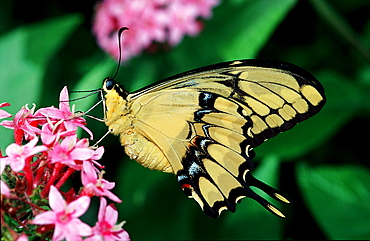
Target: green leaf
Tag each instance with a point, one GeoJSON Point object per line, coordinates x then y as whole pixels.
{"type": "Point", "coordinates": [237, 30]}
{"type": "Point", "coordinates": [342, 27]}
{"type": "Point", "coordinates": [253, 22]}
{"type": "Point", "coordinates": [338, 197]}
{"type": "Point", "coordinates": [45, 38]}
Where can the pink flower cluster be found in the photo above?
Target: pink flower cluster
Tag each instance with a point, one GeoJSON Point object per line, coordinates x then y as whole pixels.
{"type": "Point", "coordinates": [33, 172]}
{"type": "Point", "coordinates": [149, 21]}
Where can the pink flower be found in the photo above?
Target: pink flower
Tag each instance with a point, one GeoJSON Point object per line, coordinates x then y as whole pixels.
{"type": "Point", "coordinates": [17, 154]}
{"type": "Point", "coordinates": [3, 113]}
{"type": "Point", "coordinates": [106, 228]}
{"type": "Point", "coordinates": [65, 217]}
{"type": "Point", "coordinates": [49, 135]}
{"type": "Point", "coordinates": [94, 186]}
{"type": "Point", "coordinates": [24, 123]}
{"type": "Point", "coordinates": [64, 116]}
{"type": "Point", "coordinates": [98, 153]}
{"type": "Point", "coordinates": [39, 175]}
{"type": "Point", "coordinates": [70, 152]}
{"type": "Point", "coordinates": [163, 21]}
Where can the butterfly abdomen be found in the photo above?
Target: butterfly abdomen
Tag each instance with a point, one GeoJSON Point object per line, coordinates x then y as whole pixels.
{"type": "Point", "coordinates": [145, 152]}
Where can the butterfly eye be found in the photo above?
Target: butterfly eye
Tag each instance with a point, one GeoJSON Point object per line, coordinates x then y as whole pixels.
{"type": "Point", "coordinates": [109, 83]}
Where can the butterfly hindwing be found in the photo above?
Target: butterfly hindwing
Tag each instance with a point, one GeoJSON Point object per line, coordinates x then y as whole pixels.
{"type": "Point", "coordinates": [217, 163]}
{"type": "Point", "coordinates": [202, 125]}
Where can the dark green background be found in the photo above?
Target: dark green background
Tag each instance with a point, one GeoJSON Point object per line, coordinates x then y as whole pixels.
{"type": "Point", "coordinates": [322, 165]}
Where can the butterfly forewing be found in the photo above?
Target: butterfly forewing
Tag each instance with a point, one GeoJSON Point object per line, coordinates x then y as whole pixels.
{"type": "Point", "coordinates": [203, 124]}
{"type": "Point", "coordinates": [275, 95]}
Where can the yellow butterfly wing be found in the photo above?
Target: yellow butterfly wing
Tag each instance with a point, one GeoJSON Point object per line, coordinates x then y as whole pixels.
{"type": "Point", "coordinates": [202, 125]}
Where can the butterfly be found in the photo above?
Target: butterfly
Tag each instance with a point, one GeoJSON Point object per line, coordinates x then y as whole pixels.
{"type": "Point", "coordinates": [202, 125]}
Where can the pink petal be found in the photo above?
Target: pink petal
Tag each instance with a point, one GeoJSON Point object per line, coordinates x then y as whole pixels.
{"type": "Point", "coordinates": [38, 149]}
{"type": "Point", "coordinates": [48, 217]}
{"type": "Point", "coordinates": [64, 100]}
{"type": "Point", "coordinates": [101, 214]}
{"type": "Point", "coordinates": [71, 124]}
{"type": "Point", "coordinates": [69, 142]}
{"type": "Point", "coordinates": [82, 143]}
{"type": "Point", "coordinates": [108, 185]}
{"type": "Point", "coordinates": [51, 112]}
{"type": "Point", "coordinates": [85, 180]}
{"type": "Point", "coordinates": [47, 137]}
{"type": "Point", "coordinates": [13, 149]}
{"type": "Point", "coordinates": [79, 206]}
{"type": "Point", "coordinates": [80, 227]}
{"type": "Point", "coordinates": [81, 153]}
{"type": "Point", "coordinates": [30, 130]}
{"type": "Point", "coordinates": [32, 143]}
{"type": "Point", "coordinates": [4, 104]}
{"type": "Point", "coordinates": [22, 237]}
{"type": "Point", "coordinates": [111, 196]}
{"type": "Point", "coordinates": [98, 153]}
{"type": "Point", "coordinates": [56, 200]}
{"type": "Point", "coordinates": [72, 231]}
{"type": "Point", "coordinates": [88, 174]}
{"type": "Point", "coordinates": [123, 236]}
{"type": "Point", "coordinates": [18, 164]}
{"type": "Point", "coordinates": [7, 124]}
{"type": "Point", "coordinates": [4, 114]}
{"type": "Point", "coordinates": [59, 232]}
{"type": "Point", "coordinates": [111, 215]}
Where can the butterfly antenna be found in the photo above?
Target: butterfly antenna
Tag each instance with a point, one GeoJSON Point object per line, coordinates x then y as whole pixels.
{"type": "Point", "coordinates": [81, 91]}
{"type": "Point", "coordinates": [93, 92]}
{"type": "Point", "coordinates": [119, 49]}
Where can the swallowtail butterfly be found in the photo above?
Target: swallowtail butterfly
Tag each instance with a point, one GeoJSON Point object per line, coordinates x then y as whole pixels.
{"type": "Point", "coordinates": [202, 125]}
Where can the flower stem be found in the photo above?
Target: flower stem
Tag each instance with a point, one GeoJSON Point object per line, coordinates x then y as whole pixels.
{"type": "Point", "coordinates": [64, 177]}
{"type": "Point", "coordinates": [56, 171]}
{"type": "Point", "coordinates": [29, 176]}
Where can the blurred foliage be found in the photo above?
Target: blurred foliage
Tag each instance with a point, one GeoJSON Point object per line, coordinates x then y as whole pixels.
{"type": "Point", "coordinates": [322, 165]}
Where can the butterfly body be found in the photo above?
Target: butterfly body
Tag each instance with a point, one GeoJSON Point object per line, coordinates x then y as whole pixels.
{"type": "Point", "coordinates": [202, 125]}
{"type": "Point", "coordinates": [121, 118]}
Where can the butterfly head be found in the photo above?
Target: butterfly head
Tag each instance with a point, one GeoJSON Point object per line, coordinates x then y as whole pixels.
{"type": "Point", "coordinates": [114, 100]}
{"type": "Point", "coordinates": [110, 86]}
